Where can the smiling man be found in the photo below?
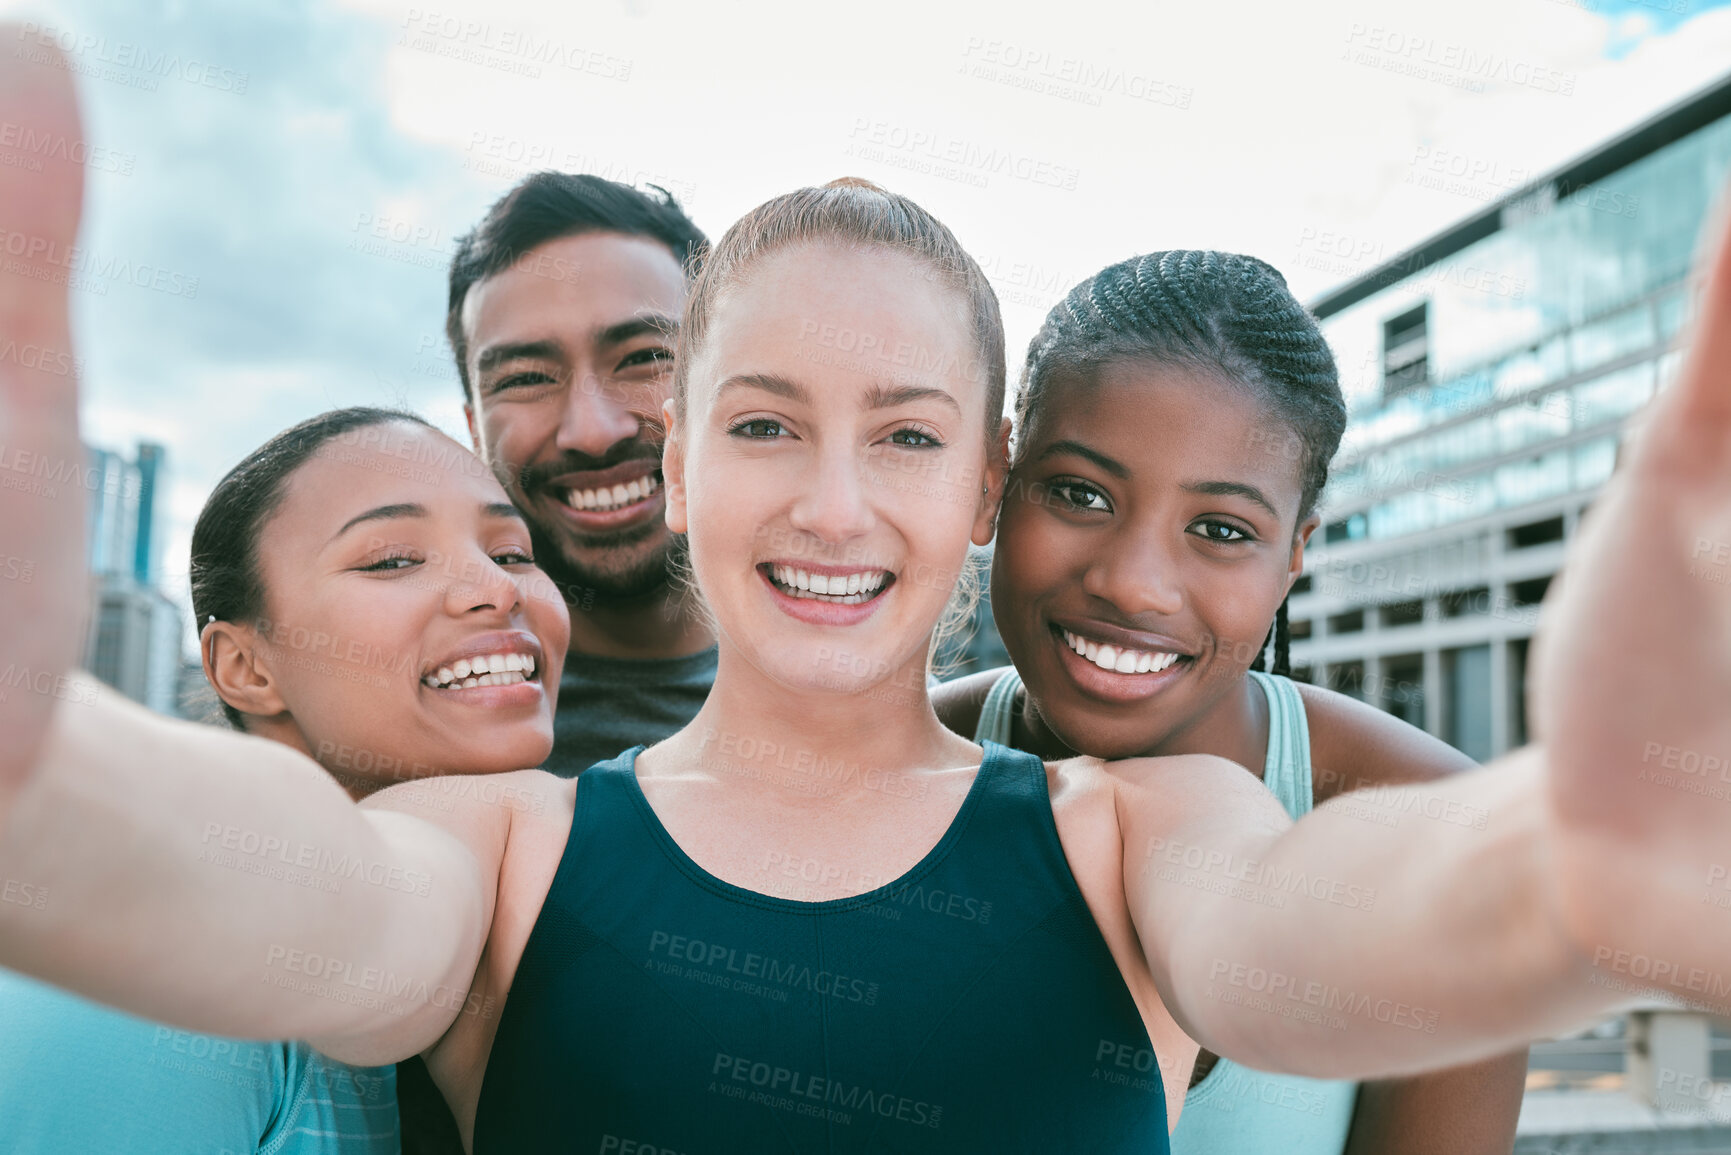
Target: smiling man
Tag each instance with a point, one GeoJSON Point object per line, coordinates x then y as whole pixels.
{"type": "Point", "coordinates": [564, 304]}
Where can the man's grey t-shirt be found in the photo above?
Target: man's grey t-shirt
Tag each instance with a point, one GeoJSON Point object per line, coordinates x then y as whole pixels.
{"type": "Point", "coordinates": [608, 705]}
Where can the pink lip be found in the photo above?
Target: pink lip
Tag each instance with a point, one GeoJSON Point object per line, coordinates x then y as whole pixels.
{"type": "Point", "coordinates": [817, 613]}
{"type": "Point", "coordinates": [1107, 686]}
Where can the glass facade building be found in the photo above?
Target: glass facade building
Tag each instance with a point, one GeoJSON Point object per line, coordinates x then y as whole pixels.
{"type": "Point", "coordinates": [1489, 375]}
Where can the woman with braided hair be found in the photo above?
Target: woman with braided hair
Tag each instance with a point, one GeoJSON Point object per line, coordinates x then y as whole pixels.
{"type": "Point", "coordinates": [1175, 422]}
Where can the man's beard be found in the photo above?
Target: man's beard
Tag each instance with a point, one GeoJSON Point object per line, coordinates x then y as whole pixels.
{"type": "Point", "coordinates": [644, 572]}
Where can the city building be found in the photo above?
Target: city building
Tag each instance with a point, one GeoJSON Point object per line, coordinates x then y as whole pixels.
{"type": "Point", "coordinates": [133, 640]}
{"type": "Point", "coordinates": [1490, 372]}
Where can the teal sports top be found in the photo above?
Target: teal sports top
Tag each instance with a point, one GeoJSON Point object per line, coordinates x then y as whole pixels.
{"type": "Point", "coordinates": [76, 1076]}
{"type": "Point", "coordinates": [971, 1005]}
{"type": "Point", "coordinates": [1235, 1110]}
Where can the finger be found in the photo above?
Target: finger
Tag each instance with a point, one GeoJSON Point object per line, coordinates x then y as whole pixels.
{"type": "Point", "coordinates": [1696, 412]}
{"type": "Point", "coordinates": [41, 203]}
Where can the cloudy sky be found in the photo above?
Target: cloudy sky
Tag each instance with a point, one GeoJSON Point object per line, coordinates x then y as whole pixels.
{"type": "Point", "coordinates": [277, 186]}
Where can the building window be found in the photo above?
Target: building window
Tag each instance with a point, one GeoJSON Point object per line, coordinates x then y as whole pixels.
{"type": "Point", "coordinates": [1467, 720]}
{"type": "Point", "coordinates": [1354, 528]}
{"type": "Point", "coordinates": [1299, 630]}
{"type": "Point", "coordinates": [1350, 622]}
{"type": "Point", "coordinates": [1402, 613]}
{"type": "Point", "coordinates": [1406, 351]}
{"type": "Point", "coordinates": [1530, 592]}
{"type": "Point", "coordinates": [1459, 603]}
{"type": "Point", "coordinates": [1347, 678]}
{"type": "Point", "coordinates": [1402, 689]}
{"type": "Point", "coordinates": [1536, 533]}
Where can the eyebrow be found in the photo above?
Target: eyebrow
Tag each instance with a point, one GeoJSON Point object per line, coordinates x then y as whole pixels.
{"type": "Point", "coordinates": [1232, 489]}
{"type": "Point", "coordinates": [881, 396]}
{"type": "Point", "coordinates": [1076, 448]}
{"type": "Point", "coordinates": [768, 382]}
{"type": "Point", "coordinates": [887, 397]}
{"type": "Point", "coordinates": [382, 513]}
{"type": "Point", "coordinates": [503, 509]}
{"type": "Point", "coordinates": [493, 509]}
{"type": "Point", "coordinates": [659, 324]}
{"type": "Point", "coordinates": [494, 355]}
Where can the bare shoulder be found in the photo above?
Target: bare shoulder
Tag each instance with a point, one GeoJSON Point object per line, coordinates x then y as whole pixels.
{"type": "Point", "coordinates": [1354, 745]}
{"type": "Point", "coordinates": [494, 814]}
{"type": "Point", "coordinates": [959, 702]}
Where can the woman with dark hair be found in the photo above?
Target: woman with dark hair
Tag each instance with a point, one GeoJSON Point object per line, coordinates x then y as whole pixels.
{"type": "Point", "coordinates": [281, 652]}
{"type": "Point", "coordinates": [984, 953]}
{"type": "Point", "coordinates": [1175, 421]}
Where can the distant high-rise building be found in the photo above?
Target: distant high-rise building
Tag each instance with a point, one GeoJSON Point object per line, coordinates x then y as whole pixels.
{"type": "Point", "coordinates": [133, 640]}
{"type": "Point", "coordinates": [1489, 373]}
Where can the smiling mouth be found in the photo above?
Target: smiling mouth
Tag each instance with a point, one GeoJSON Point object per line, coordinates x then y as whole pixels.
{"type": "Point", "coordinates": [849, 589]}
{"type": "Point", "coordinates": [1120, 659]}
{"type": "Point", "coordinates": [606, 498]}
{"type": "Point", "coordinates": [483, 670]}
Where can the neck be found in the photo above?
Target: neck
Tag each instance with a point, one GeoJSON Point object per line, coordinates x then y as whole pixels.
{"type": "Point", "coordinates": [815, 746]}
{"type": "Point", "coordinates": [665, 624]}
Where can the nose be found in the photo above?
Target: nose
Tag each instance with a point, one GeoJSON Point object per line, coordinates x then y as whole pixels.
{"type": "Point", "coordinates": [1136, 572]}
{"type": "Point", "coordinates": [596, 416]}
{"type": "Point", "coordinates": [833, 504]}
{"type": "Point", "coordinates": [482, 586]}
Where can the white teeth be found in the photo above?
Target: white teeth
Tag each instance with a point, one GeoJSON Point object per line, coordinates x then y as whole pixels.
{"type": "Point", "coordinates": [483, 670]}
{"type": "Point", "coordinates": [1120, 661]}
{"type": "Point", "coordinates": [844, 589]}
{"type": "Point", "coordinates": [613, 497]}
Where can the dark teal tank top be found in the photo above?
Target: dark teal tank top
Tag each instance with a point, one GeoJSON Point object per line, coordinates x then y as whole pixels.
{"type": "Point", "coordinates": [970, 1005]}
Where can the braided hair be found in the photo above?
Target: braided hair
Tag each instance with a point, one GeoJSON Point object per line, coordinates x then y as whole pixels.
{"type": "Point", "coordinates": [1222, 313]}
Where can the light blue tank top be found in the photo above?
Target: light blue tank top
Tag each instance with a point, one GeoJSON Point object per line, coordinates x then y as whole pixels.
{"type": "Point", "coordinates": [76, 1076]}
{"type": "Point", "coordinates": [1235, 1110]}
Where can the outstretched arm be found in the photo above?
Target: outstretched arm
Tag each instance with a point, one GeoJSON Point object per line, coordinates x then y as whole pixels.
{"type": "Point", "coordinates": [1387, 932]}
{"type": "Point", "coordinates": [242, 892]}
{"type": "Point", "coordinates": [44, 524]}
{"type": "Point", "coordinates": [1515, 901]}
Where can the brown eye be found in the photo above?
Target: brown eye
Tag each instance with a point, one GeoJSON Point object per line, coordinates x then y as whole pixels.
{"type": "Point", "coordinates": [1222, 532]}
{"type": "Point", "coordinates": [1079, 495]}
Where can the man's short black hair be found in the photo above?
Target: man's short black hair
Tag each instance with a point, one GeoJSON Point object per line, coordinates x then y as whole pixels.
{"type": "Point", "coordinates": [549, 205]}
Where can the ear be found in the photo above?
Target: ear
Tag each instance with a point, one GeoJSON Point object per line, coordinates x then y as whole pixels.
{"type": "Point", "coordinates": [1295, 564]}
{"type": "Point", "coordinates": [232, 663]}
{"type": "Point", "coordinates": [474, 430]}
{"type": "Point", "coordinates": [673, 469]}
{"type": "Point", "coordinates": [992, 486]}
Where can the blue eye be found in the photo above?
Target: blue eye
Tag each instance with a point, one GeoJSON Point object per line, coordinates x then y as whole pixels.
{"type": "Point", "coordinates": [915, 439]}
{"type": "Point", "coordinates": [758, 428]}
